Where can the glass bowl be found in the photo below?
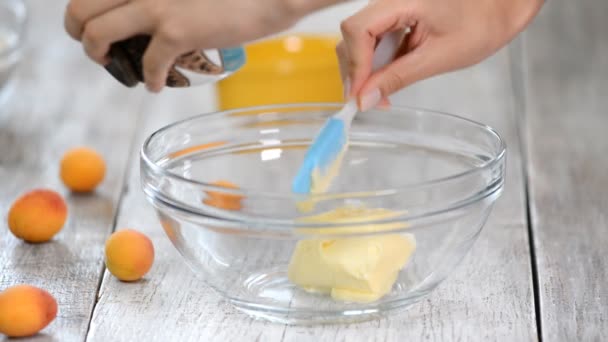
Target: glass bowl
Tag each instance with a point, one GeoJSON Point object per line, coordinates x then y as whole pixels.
{"type": "Point", "coordinates": [13, 16]}
{"type": "Point", "coordinates": [413, 194]}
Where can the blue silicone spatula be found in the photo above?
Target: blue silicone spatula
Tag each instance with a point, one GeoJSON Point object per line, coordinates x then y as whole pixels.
{"type": "Point", "coordinates": [323, 158]}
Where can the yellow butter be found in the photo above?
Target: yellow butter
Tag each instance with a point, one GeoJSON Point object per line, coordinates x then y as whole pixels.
{"type": "Point", "coordinates": [354, 269]}
{"type": "Point", "coordinates": [352, 221]}
{"type": "Point", "coordinates": [321, 181]}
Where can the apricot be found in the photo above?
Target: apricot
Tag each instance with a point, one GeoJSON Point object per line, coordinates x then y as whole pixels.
{"type": "Point", "coordinates": [223, 200]}
{"type": "Point", "coordinates": [129, 254]}
{"type": "Point", "coordinates": [25, 310]}
{"type": "Point", "coordinates": [82, 169]}
{"type": "Point", "coordinates": [37, 215]}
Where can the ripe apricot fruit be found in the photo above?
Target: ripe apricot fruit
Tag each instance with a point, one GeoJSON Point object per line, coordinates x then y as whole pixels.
{"type": "Point", "coordinates": [82, 169]}
{"type": "Point", "coordinates": [25, 310]}
{"type": "Point", "coordinates": [223, 200]}
{"type": "Point", "coordinates": [129, 254]}
{"type": "Point", "coordinates": [37, 215]}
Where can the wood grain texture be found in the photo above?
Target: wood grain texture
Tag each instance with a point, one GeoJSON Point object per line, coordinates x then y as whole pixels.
{"type": "Point", "coordinates": [170, 303]}
{"type": "Point", "coordinates": [566, 103]}
{"type": "Point", "coordinates": [61, 100]}
{"type": "Point", "coordinates": [488, 298]}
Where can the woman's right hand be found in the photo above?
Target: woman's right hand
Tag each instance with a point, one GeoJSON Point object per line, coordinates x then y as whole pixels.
{"type": "Point", "coordinates": [445, 35]}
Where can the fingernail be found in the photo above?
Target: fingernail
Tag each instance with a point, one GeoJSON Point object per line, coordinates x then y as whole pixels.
{"type": "Point", "coordinates": [347, 88]}
{"type": "Point", "coordinates": [153, 88]}
{"type": "Point", "coordinates": [384, 104]}
{"type": "Point", "coordinates": [370, 99]}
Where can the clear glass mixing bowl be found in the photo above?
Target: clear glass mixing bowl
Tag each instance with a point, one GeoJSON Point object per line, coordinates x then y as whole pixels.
{"type": "Point", "coordinates": [13, 17]}
{"type": "Point", "coordinates": [437, 174]}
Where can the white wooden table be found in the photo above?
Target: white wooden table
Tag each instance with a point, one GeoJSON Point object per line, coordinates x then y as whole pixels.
{"type": "Point", "coordinates": [538, 271]}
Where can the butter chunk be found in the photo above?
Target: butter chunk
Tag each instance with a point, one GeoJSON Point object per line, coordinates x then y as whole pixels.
{"type": "Point", "coordinates": [353, 269]}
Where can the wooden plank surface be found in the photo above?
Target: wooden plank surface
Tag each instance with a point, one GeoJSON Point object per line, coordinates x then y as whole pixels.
{"type": "Point", "coordinates": [566, 129]}
{"type": "Point", "coordinates": [61, 100]}
{"type": "Point", "coordinates": [488, 298]}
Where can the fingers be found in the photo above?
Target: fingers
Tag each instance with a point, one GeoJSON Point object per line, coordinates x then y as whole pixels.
{"type": "Point", "coordinates": [384, 103]}
{"type": "Point", "coordinates": [100, 23]}
{"type": "Point", "coordinates": [405, 70]}
{"type": "Point", "coordinates": [361, 32]}
{"type": "Point", "coordinates": [78, 12]}
{"type": "Point", "coordinates": [113, 26]}
{"type": "Point", "coordinates": [158, 59]}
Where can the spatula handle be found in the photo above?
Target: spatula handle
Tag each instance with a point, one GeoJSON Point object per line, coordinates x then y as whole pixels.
{"type": "Point", "coordinates": [386, 50]}
{"type": "Point", "coordinates": [384, 54]}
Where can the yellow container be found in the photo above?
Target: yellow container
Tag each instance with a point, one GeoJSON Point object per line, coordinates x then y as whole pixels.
{"type": "Point", "coordinates": [289, 69]}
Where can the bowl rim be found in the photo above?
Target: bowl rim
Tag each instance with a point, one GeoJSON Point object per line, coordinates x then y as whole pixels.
{"type": "Point", "coordinates": [163, 172]}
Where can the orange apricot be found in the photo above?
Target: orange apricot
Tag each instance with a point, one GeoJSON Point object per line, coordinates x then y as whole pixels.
{"type": "Point", "coordinates": [37, 215]}
{"type": "Point", "coordinates": [25, 310]}
{"type": "Point", "coordinates": [223, 200]}
{"type": "Point", "coordinates": [82, 169]}
{"type": "Point", "coordinates": [129, 254]}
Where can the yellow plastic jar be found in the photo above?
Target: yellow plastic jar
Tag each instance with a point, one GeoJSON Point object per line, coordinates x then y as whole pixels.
{"type": "Point", "coordinates": [295, 68]}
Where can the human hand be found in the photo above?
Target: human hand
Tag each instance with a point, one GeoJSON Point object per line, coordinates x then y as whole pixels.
{"type": "Point", "coordinates": [177, 26]}
{"type": "Point", "coordinates": [445, 35]}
